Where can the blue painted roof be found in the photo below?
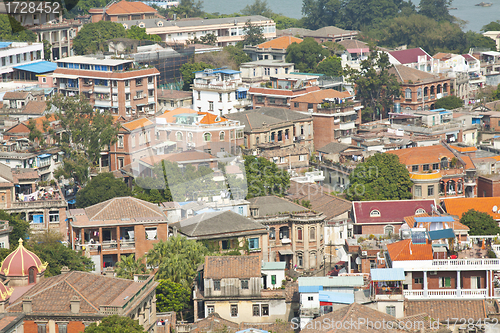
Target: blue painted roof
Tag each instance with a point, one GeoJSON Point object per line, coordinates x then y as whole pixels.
{"type": "Point", "coordinates": [280, 265]}
{"type": "Point", "coordinates": [226, 71]}
{"type": "Point", "coordinates": [331, 281]}
{"type": "Point", "coordinates": [44, 156]}
{"type": "Point", "coordinates": [441, 234]}
{"type": "Point", "coordinates": [437, 110]}
{"type": "Point", "coordinates": [387, 274]}
{"type": "Point", "coordinates": [434, 219]}
{"type": "Point", "coordinates": [333, 297]}
{"type": "Point", "coordinates": [4, 44]}
{"type": "Point", "coordinates": [38, 67]}
{"type": "Point", "coordinates": [310, 289]}
{"type": "Point", "coordinates": [250, 330]}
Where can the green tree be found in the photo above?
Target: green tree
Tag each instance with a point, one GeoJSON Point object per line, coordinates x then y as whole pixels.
{"type": "Point", "coordinates": [36, 134]}
{"type": "Point", "coordinates": [11, 30]}
{"type": "Point", "coordinates": [209, 39]}
{"type": "Point", "coordinates": [285, 22]}
{"type": "Point", "coordinates": [20, 228]}
{"type": "Point", "coordinates": [492, 26]}
{"type": "Point", "coordinates": [47, 49]}
{"type": "Point", "coordinates": [375, 86]}
{"type": "Point", "coordinates": [116, 324]}
{"type": "Point", "coordinates": [177, 259]}
{"type": "Point", "coordinates": [479, 223]}
{"type": "Point", "coordinates": [85, 133]}
{"type": "Point", "coordinates": [49, 247]}
{"type": "Point", "coordinates": [449, 103]}
{"type": "Point", "coordinates": [140, 34]}
{"type": "Point", "coordinates": [101, 188]}
{"type": "Point", "coordinates": [335, 49]}
{"type": "Point", "coordinates": [360, 14]}
{"type": "Point", "coordinates": [171, 296]}
{"type": "Point", "coordinates": [253, 35]}
{"type": "Point", "coordinates": [127, 267]}
{"type": "Point", "coordinates": [477, 40]}
{"type": "Point", "coordinates": [258, 7]}
{"type": "Point", "coordinates": [306, 55]}
{"type": "Point", "coordinates": [187, 71]}
{"type": "Point", "coordinates": [436, 10]}
{"type": "Point", "coordinates": [331, 66]}
{"type": "Point", "coordinates": [264, 178]}
{"type": "Point", "coordinates": [322, 13]}
{"type": "Point", "coordinates": [187, 8]}
{"type": "Point", "coordinates": [237, 55]}
{"type": "Point", "coordinates": [380, 177]}
{"type": "Point", "coordinates": [93, 36]}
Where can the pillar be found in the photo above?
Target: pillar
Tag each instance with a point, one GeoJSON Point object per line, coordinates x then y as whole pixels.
{"type": "Point", "coordinates": [425, 284]}
{"type": "Point", "coordinates": [487, 283]}
{"type": "Point", "coordinates": [459, 293]}
{"type": "Point", "coordinates": [51, 41]}
{"type": "Point", "coordinates": [100, 244]}
{"type": "Point", "coordinates": [118, 240]}
{"type": "Point", "coordinates": [60, 43]}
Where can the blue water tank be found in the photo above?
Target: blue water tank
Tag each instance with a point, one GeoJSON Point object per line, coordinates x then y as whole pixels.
{"type": "Point", "coordinates": [397, 108]}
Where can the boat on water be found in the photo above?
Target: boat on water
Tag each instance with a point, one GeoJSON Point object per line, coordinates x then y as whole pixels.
{"type": "Point", "coordinates": [452, 8]}
{"type": "Point", "coordinates": [484, 4]}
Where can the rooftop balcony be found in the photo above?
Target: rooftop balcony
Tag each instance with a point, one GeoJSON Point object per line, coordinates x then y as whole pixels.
{"type": "Point", "coordinates": [448, 265]}
{"type": "Point", "coordinates": [445, 293]}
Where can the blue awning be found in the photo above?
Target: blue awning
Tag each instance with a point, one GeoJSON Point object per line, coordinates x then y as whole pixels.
{"type": "Point", "coordinates": [44, 156]}
{"type": "Point", "coordinates": [387, 274]}
{"type": "Point", "coordinates": [310, 289]}
{"type": "Point", "coordinates": [333, 297]}
{"type": "Point", "coordinates": [72, 202]}
{"type": "Point", "coordinates": [241, 89]}
{"type": "Point", "coordinates": [4, 44]}
{"type": "Point", "coordinates": [441, 234]}
{"type": "Point", "coordinates": [38, 67]}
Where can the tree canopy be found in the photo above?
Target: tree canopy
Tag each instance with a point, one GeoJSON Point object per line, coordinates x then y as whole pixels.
{"type": "Point", "coordinates": [479, 223]}
{"type": "Point", "coordinates": [264, 178]}
{"type": "Point", "coordinates": [128, 266]}
{"type": "Point", "coordinates": [436, 9]}
{"type": "Point", "coordinates": [116, 324]}
{"type": "Point", "coordinates": [102, 187]}
{"type": "Point", "coordinates": [92, 37]}
{"type": "Point", "coordinates": [172, 296]}
{"type": "Point", "coordinates": [12, 30]}
{"type": "Point", "coordinates": [49, 247]}
{"type": "Point", "coordinates": [253, 34]}
{"type": "Point", "coordinates": [20, 228]}
{"type": "Point", "coordinates": [331, 66]}
{"type": "Point", "coordinates": [449, 103]}
{"type": "Point", "coordinates": [134, 32]}
{"type": "Point", "coordinates": [187, 71]}
{"type": "Point", "coordinates": [306, 55]}
{"type": "Point", "coordinates": [492, 26]}
{"type": "Point", "coordinates": [258, 7]}
{"type": "Point", "coordinates": [380, 177]}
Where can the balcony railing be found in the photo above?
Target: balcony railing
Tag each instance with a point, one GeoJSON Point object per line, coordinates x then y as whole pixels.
{"type": "Point", "coordinates": [445, 293]}
{"type": "Point", "coordinates": [127, 244]}
{"type": "Point", "coordinates": [109, 245]}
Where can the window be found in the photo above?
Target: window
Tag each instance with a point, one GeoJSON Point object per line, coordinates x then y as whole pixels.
{"type": "Point", "coordinates": [199, 95]}
{"type": "Point", "coordinates": [310, 298]}
{"type": "Point", "coordinates": [256, 310]}
{"type": "Point", "coordinates": [445, 282]}
{"type": "Point", "coordinates": [414, 168]}
{"type": "Point", "coordinates": [240, 209]}
{"type": "Point", "coordinates": [299, 260]}
{"type": "Point", "coordinates": [127, 97]}
{"type": "Point", "coordinates": [31, 275]}
{"type": "Point", "coordinates": [138, 82]}
{"type": "Point", "coordinates": [132, 139]}
{"type": "Point", "coordinates": [220, 97]}
{"type": "Point", "coordinates": [53, 216]}
{"type": "Point", "coordinates": [151, 233]}
{"type": "Point", "coordinates": [390, 310]}
{"type": "Point", "coordinates": [299, 234]}
{"type": "Point", "coordinates": [190, 137]}
{"type": "Point", "coordinates": [217, 285]}
{"type": "Point", "coordinates": [418, 191]}
{"type": "Point", "coordinates": [388, 230]}
{"type": "Point", "coordinates": [408, 93]}
{"type": "Point", "coordinates": [425, 167]}
{"type": "Point", "coordinates": [309, 106]}
{"type": "Point", "coordinates": [273, 279]}
{"type": "Point", "coordinates": [375, 213]}
{"type": "Point", "coordinates": [210, 309]}
{"type": "Point", "coordinates": [244, 284]}
{"type": "Point", "coordinates": [63, 327]}
{"type": "Point", "coordinates": [302, 158]}
{"type": "Point", "coordinates": [221, 136]}
{"type": "Point", "coordinates": [42, 328]}
{"type": "Point", "coordinates": [210, 106]}
{"type": "Point", "coordinates": [265, 309]}
{"type": "Point", "coordinates": [419, 280]}
{"type": "Point", "coordinates": [178, 136]}
{"type": "Point", "coordinates": [430, 190]}
{"type": "Point", "coordinates": [312, 233]}
{"type": "Point", "coordinates": [207, 137]}
{"type": "Point", "coordinates": [121, 162]}
{"type": "Point", "coordinates": [234, 310]}
{"type": "Point", "coordinates": [253, 243]}
{"type": "Point", "coordinates": [120, 141]}
{"type": "Point", "coordinates": [272, 233]}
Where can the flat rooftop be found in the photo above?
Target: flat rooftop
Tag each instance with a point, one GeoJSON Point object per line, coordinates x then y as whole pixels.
{"type": "Point", "coordinates": [94, 61]}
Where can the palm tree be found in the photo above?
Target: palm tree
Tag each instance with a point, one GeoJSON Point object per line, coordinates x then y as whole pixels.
{"type": "Point", "coordinates": [127, 267]}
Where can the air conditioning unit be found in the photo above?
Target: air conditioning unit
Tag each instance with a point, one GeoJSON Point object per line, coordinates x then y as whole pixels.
{"type": "Point", "coordinates": [364, 253]}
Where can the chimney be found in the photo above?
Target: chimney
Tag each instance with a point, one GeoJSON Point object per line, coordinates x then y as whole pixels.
{"type": "Point", "coordinates": [27, 305]}
{"type": "Point", "coordinates": [75, 304]}
{"type": "Point", "coordinates": [64, 270]}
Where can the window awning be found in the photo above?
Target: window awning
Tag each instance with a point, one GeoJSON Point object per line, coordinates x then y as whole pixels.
{"type": "Point", "coordinates": [241, 89]}
{"type": "Point", "coordinates": [285, 252]}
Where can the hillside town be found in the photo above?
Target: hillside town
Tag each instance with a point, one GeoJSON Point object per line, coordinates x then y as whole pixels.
{"type": "Point", "coordinates": [168, 170]}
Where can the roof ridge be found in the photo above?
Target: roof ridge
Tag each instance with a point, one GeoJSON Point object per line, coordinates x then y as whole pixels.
{"type": "Point", "coordinates": [143, 204]}
{"type": "Point", "coordinates": [100, 211]}
{"type": "Point", "coordinates": [79, 293]}
{"type": "Point", "coordinates": [47, 287]}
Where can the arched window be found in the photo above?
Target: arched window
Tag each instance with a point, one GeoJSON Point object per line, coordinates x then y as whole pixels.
{"type": "Point", "coordinates": [444, 163]}
{"type": "Point", "coordinates": [272, 233]}
{"type": "Point", "coordinates": [388, 230]}
{"type": "Point", "coordinates": [420, 211]}
{"type": "Point", "coordinates": [299, 234]}
{"type": "Point", "coordinates": [190, 137]}
{"type": "Point", "coordinates": [419, 93]}
{"type": "Point", "coordinates": [207, 137]}
{"type": "Point", "coordinates": [408, 93]}
{"type": "Point", "coordinates": [31, 275]}
{"type": "Point", "coordinates": [222, 135]}
{"type": "Point", "coordinates": [178, 136]}
{"type": "Point", "coordinates": [142, 25]}
{"type": "Point", "coordinates": [299, 260]}
{"type": "Point", "coordinates": [374, 213]}
{"type": "Point", "coordinates": [312, 233]}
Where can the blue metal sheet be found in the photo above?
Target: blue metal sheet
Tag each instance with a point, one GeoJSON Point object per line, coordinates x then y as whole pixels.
{"type": "Point", "coordinates": [333, 297]}
{"type": "Point", "coordinates": [44, 155]}
{"type": "Point", "coordinates": [38, 67]}
{"type": "Point", "coordinates": [4, 44]}
{"type": "Point", "coordinates": [310, 289]}
{"type": "Point", "coordinates": [441, 234]}
{"type": "Point", "coordinates": [387, 274]}
{"type": "Point", "coordinates": [435, 219]}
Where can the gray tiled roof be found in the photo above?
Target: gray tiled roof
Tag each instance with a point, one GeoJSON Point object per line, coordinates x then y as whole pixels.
{"type": "Point", "coordinates": [333, 148]}
{"type": "Point", "coordinates": [253, 119]}
{"type": "Point", "coordinates": [124, 208]}
{"type": "Point", "coordinates": [153, 23]}
{"type": "Point", "coordinates": [272, 205]}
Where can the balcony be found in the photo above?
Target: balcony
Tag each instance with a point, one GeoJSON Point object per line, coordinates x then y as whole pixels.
{"type": "Point", "coordinates": [38, 204]}
{"type": "Point", "coordinates": [426, 98]}
{"type": "Point", "coordinates": [127, 244]}
{"type": "Point", "coordinates": [151, 99]}
{"type": "Point", "coordinates": [449, 264]}
{"type": "Point", "coordinates": [433, 96]}
{"type": "Point", "coordinates": [347, 126]}
{"type": "Point", "coordinates": [286, 241]}
{"type": "Point", "coordinates": [151, 85]}
{"type": "Point", "coordinates": [102, 89]}
{"type": "Point", "coordinates": [445, 293]}
{"type": "Point", "coordinates": [109, 245]}
{"type": "Point", "coordinates": [220, 86]}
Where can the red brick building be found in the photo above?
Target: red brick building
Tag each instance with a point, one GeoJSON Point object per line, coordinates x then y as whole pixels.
{"type": "Point", "coordinates": [123, 11]}
{"type": "Point", "coordinates": [488, 186]}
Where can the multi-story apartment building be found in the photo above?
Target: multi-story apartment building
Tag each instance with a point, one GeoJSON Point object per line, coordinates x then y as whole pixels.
{"type": "Point", "coordinates": [336, 115]}
{"type": "Point", "coordinates": [60, 36]}
{"type": "Point", "coordinates": [173, 99]}
{"type": "Point", "coordinates": [219, 91]}
{"type": "Point", "coordinates": [19, 60]}
{"type": "Point", "coordinates": [229, 30]}
{"type": "Point", "coordinates": [115, 85]}
{"type": "Point", "coordinates": [119, 11]}
{"type": "Point", "coordinates": [274, 49]}
{"type": "Point", "coordinates": [189, 129]}
{"type": "Point", "coordinates": [258, 72]}
{"type": "Point", "coordinates": [439, 171]}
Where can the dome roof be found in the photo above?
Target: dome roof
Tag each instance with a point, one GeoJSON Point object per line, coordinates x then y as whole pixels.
{"type": "Point", "coordinates": [5, 292]}
{"type": "Point", "coordinates": [19, 262]}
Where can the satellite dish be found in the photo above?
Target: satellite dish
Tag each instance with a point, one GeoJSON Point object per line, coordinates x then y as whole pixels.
{"type": "Point", "coordinates": [495, 209]}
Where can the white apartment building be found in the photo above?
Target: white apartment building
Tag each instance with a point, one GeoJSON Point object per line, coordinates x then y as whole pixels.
{"type": "Point", "coordinates": [256, 72]}
{"type": "Point", "coordinates": [219, 91]}
{"type": "Point", "coordinates": [13, 54]}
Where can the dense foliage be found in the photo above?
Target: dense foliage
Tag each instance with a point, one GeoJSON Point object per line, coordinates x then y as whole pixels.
{"type": "Point", "coordinates": [306, 55]}
{"type": "Point", "coordinates": [134, 32]}
{"type": "Point", "coordinates": [331, 66]}
{"type": "Point", "coordinates": [128, 266]}
{"type": "Point", "coordinates": [12, 31]}
{"type": "Point", "coordinates": [93, 36]}
{"type": "Point", "coordinates": [172, 296]}
{"type": "Point", "coordinates": [20, 228]}
{"type": "Point", "coordinates": [253, 35]}
{"type": "Point", "coordinates": [102, 187]}
{"type": "Point", "coordinates": [479, 223]}
{"type": "Point", "coordinates": [380, 177]}
{"type": "Point", "coordinates": [264, 178]}
{"type": "Point", "coordinates": [187, 71]}
{"type": "Point", "coordinates": [449, 103]}
{"type": "Point", "coordinates": [115, 324]}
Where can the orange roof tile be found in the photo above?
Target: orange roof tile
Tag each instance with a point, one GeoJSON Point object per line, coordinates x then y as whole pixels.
{"type": "Point", "coordinates": [135, 124]}
{"type": "Point", "coordinates": [464, 149]}
{"type": "Point", "coordinates": [455, 225]}
{"type": "Point", "coordinates": [458, 206]}
{"type": "Point", "coordinates": [319, 96]}
{"type": "Point", "coordinates": [468, 162]}
{"type": "Point", "coordinates": [410, 220]}
{"type": "Point", "coordinates": [422, 155]}
{"type": "Point", "coordinates": [210, 118]}
{"type": "Point", "coordinates": [405, 250]}
{"type": "Point", "coordinates": [126, 7]}
{"type": "Point", "coordinates": [280, 42]}
{"type": "Point", "coordinates": [169, 115]}
{"type": "Point", "coordinates": [39, 121]}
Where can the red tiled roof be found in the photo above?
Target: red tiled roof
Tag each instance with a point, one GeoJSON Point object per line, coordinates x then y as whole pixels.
{"type": "Point", "coordinates": [458, 206]}
{"type": "Point", "coordinates": [446, 310]}
{"type": "Point", "coordinates": [422, 155]}
{"type": "Point", "coordinates": [220, 267]}
{"type": "Point", "coordinates": [169, 114]}
{"type": "Point", "coordinates": [319, 96]}
{"type": "Point", "coordinates": [127, 7]}
{"type": "Point", "coordinates": [463, 149]}
{"type": "Point", "coordinates": [469, 57]}
{"type": "Point", "coordinates": [210, 118]}
{"type": "Point", "coordinates": [406, 250]}
{"type": "Point", "coordinates": [468, 162]}
{"type": "Point", "coordinates": [390, 211]}
{"type": "Point", "coordinates": [16, 95]}
{"type": "Point", "coordinates": [20, 261]}
{"type": "Point", "coordinates": [410, 55]}
{"type": "Point", "coordinates": [280, 42]}
{"type": "Point", "coordinates": [134, 124]}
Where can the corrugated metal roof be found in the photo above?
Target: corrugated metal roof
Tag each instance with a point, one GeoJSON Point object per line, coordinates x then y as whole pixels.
{"type": "Point", "coordinates": [273, 265]}
{"type": "Point", "coordinates": [333, 297]}
{"type": "Point", "coordinates": [434, 219]}
{"type": "Point", "coordinates": [38, 67]}
{"type": "Point", "coordinates": [310, 289]}
{"type": "Point", "coordinates": [331, 281]}
{"type": "Point", "coordinates": [441, 234]}
{"type": "Point", "coordinates": [4, 44]}
{"type": "Point", "coordinates": [387, 274]}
